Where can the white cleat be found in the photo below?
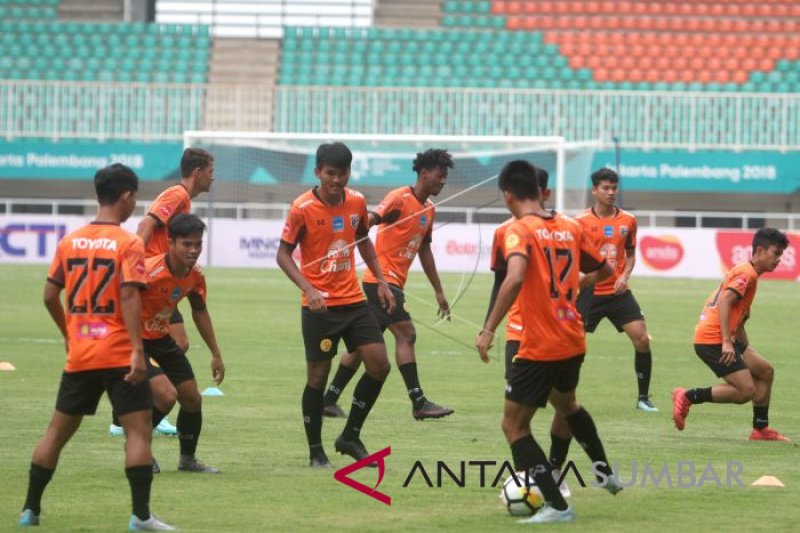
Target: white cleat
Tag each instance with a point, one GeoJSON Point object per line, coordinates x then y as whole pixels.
{"type": "Point", "coordinates": [151, 524]}
{"type": "Point", "coordinates": [563, 487]}
{"type": "Point", "coordinates": [644, 404]}
{"type": "Point", "coordinates": [613, 485]}
{"type": "Point", "coordinates": [548, 515]}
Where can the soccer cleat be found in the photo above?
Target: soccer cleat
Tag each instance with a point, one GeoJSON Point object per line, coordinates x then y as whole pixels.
{"type": "Point", "coordinates": [165, 428]}
{"type": "Point", "coordinates": [115, 431]}
{"type": "Point", "coordinates": [334, 411]}
{"type": "Point", "coordinates": [156, 467]}
{"type": "Point", "coordinates": [190, 464]}
{"type": "Point", "coordinates": [767, 434]}
{"type": "Point", "coordinates": [680, 407]}
{"type": "Point", "coordinates": [644, 404]}
{"type": "Point", "coordinates": [353, 448]}
{"type": "Point", "coordinates": [431, 410]}
{"type": "Point", "coordinates": [151, 524]}
{"type": "Point", "coordinates": [27, 518]}
{"type": "Point", "coordinates": [318, 458]}
{"type": "Point", "coordinates": [549, 515]}
{"type": "Point", "coordinates": [563, 487]}
{"type": "Point", "coordinates": [613, 485]}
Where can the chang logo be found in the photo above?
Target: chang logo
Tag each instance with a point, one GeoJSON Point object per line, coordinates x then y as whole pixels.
{"type": "Point", "coordinates": [337, 258]}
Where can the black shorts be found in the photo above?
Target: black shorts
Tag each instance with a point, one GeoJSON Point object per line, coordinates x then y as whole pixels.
{"type": "Point", "coordinates": [80, 392]}
{"type": "Point", "coordinates": [322, 331]}
{"type": "Point", "coordinates": [400, 314]}
{"type": "Point", "coordinates": [710, 354]}
{"type": "Point", "coordinates": [169, 357]}
{"type": "Point", "coordinates": [620, 309]}
{"type": "Point", "coordinates": [530, 382]}
{"type": "Point", "coordinates": [512, 347]}
{"type": "Point", "coordinates": [176, 318]}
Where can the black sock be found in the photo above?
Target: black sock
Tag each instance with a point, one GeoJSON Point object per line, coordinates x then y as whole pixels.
{"type": "Point", "coordinates": [115, 419]}
{"type": "Point", "coordinates": [312, 415]}
{"type": "Point", "coordinates": [340, 380]}
{"type": "Point", "coordinates": [760, 416]}
{"type": "Point", "coordinates": [140, 479]}
{"type": "Point", "coordinates": [189, 426]}
{"type": "Point", "coordinates": [38, 478]}
{"type": "Point", "coordinates": [367, 391]}
{"type": "Point", "coordinates": [529, 457]}
{"type": "Point", "coordinates": [158, 416]}
{"type": "Point", "coordinates": [699, 395]}
{"type": "Point", "coordinates": [582, 426]}
{"type": "Point", "coordinates": [643, 364]}
{"type": "Point", "coordinates": [409, 372]}
{"type": "Point", "coordinates": [558, 450]}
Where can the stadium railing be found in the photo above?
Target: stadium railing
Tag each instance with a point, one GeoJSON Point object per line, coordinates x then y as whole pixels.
{"type": "Point", "coordinates": [468, 215]}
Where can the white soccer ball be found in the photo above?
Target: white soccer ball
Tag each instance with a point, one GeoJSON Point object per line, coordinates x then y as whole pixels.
{"type": "Point", "coordinates": [521, 496]}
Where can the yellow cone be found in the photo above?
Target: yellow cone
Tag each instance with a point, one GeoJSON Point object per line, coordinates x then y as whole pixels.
{"type": "Point", "coordinates": [6, 367]}
{"type": "Point", "coordinates": [768, 481]}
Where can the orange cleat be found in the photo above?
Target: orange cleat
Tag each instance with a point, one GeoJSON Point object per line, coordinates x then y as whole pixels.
{"type": "Point", "coordinates": [680, 407]}
{"type": "Point", "coordinates": [767, 434]}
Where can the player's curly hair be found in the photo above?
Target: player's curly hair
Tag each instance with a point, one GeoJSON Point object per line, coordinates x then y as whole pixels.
{"type": "Point", "coordinates": [432, 159]}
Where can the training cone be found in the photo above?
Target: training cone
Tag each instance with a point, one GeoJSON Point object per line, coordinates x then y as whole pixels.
{"type": "Point", "coordinates": [213, 391]}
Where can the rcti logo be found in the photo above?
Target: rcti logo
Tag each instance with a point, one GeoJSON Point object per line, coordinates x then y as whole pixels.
{"type": "Point", "coordinates": [342, 474]}
{"type": "Point", "coordinates": [30, 240]}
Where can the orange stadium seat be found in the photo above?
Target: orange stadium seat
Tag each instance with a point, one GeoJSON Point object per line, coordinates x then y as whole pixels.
{"type": "Point", "coordinates": [499, 7]}
{"type": "Point", "coordinates": [513, 8]}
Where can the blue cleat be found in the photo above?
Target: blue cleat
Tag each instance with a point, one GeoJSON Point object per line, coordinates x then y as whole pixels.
{"type": "Point", "coordinates": [548, 515]}
{"type": "Point", "coordinates": [115, 431]}
{"type": "Point", "coordinates": [27, 518]}
{"type": "Point", "coordinates": [165, 428]}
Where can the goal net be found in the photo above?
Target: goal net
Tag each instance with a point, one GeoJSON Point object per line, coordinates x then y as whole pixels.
{"type": "Point", "coordinates": [259, 174]}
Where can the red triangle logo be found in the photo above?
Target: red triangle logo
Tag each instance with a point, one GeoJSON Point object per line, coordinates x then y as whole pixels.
{"type": "Point", "coordinates": [342, 475]}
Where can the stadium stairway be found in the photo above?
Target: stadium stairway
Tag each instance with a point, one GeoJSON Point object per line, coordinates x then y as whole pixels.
{"type": "Point", "coordinates": [408, 13]}
{"type": "Point", "coordinates": [92, 10]}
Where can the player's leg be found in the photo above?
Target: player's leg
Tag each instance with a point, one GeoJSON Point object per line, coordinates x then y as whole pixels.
{"type": "Point", "coordinates": [348, 365]}
{"type": "Point", "coordinates": [177, 330]}
{"type": "Point", "coordinates": [763, 374]}
{"type": "Point", "coordinates": [164, 398]}
{"type": "Point", "coordinates": [624, 312]}
{"type": "Point", "coordinates": [560, 439]}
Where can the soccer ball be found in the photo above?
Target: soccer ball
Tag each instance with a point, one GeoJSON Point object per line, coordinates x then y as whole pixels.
{"type": "Point", "coordinates": [521, 496]}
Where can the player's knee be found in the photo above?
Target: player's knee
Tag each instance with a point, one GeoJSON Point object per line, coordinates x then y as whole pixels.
{"type": "Point", "coordinates": [192, 402]}
{"type": "Point", "coordinates": [745, 393]}
{"type": "Point", "coordinates": [183, 344]}
{"type": "Point", "coordinates": [512, 430]}
{"type": "Point", "coordinates": [768, 373]}
{"type": "Point", "coordinates": [380, 371]}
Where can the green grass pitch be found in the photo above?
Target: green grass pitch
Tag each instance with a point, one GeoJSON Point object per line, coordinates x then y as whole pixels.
{"type": "Point", "coordinates": [254, 433]}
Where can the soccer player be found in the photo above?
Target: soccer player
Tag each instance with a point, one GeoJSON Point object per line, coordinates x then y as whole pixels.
{"type": "Point", "coordinates": [327, 222]}
{"type": "Point", "coordinates": [170, 278]}
{"type": "Point", "coordinates": [613, 232]}
{"type": "Point", "coordinates": [101, 267]}
{"type": "Point", "coordinates": [721, 341]}
{"type": "Point", "coordinates": [544, 253]}
{"type": "Point", "coordinates": [406, 225]}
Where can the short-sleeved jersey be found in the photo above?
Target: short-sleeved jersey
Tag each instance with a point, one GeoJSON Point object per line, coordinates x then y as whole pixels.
{"type": "Point", "coordinates": [615, 237]}
{"type": "Point", "coordinates": [326, 234]}
{"type": "Point", "coordinates": [741, 279]}
{"type": "Point", "coordinates": [163, 293]}
{"type": "Point", "coordinates": [169, 203]}
{"type": "Point", "coordinates": [556, 250]}
{"type": "Point", "coordinates": [92, 264]}
{"type": "Point", "coordinates": [498, 263]}
{"type": "Point", "coordinates": [405, 224]}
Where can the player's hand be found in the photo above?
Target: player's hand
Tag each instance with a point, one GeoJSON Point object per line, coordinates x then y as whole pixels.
{"type": "Point", "coordinates": [138, 371]}
{"type": "Point", "coordinates": [620, 286]}
{"type": "Point", "coordinates": [484, 343]}
{"type": "Point", "coordinates": [217, 370]}
{"type": "Point", "coordinates": [385, 297]}
{"type": "Point", "coordinates": [316, 303]}
{"type": "Point", "coordinates": [728, 353]}
{"type": "Point", "coordinates": [444, 306]}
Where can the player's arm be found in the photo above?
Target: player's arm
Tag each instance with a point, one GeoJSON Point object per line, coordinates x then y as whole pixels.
{"type": "Point", "coordinates": [621, 285]}
{"type": "Point", "coordinates": [131, 305]}
{"type": "Point", "coordinates": [52, 301]}
{"type": "Point", "coordinates": [147, 225]}
{"type": "Point", "coordinates": [499, 277]}
{"type": "Point", "coordinates": [284, 258]}
{"type": "Point", "coordinates": [596, 276]}
{"type": "Point", "coordinates": [429, 266]}
{"type": "Point", "coordinates": [509, 290]}
{"type": "Point", "coordinates": [725, 304]}
{"type": "Point", "coordinates": [367, 251]}
{"type": "Point", "coordinates": [202, 319]}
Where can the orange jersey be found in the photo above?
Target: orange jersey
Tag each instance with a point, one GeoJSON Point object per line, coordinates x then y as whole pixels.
{"type": "Point", "coordinates": [169, 203]}
{"type": "Point", "coordinates": [498, 263]}
{"type": "Point", "coordinates": [326, 234]}
{"type": "Point", "coordinates": [405, 224]}
{"type": "Point", "coordinates": [615, 237]}
{"type": "Point", "coordinates": [92, 263]}
{"type": "Point", "coordinates": [556, 250]}
{"type": "Point", "coordinates": [741, 279]}
{"type": "Point", "coordinates": [163, 293]}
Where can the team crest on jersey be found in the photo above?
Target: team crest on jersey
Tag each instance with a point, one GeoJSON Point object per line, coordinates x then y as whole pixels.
{"type": "Point", "coordinates": [512, 240]}
{"type": "Point", "coordinates": [325, 345]}
{"type": "Point", "coordinates": [422, 221]}
{"type": "Point", "coordinates": [623, 230]}
{"type": "Point", "coordinates": [165, 210]}
{"type": "Point", "coordinates": [176, 294]}
{"type": "Point", "coordinates": [354, 220]}
{"type": "Point", "coordinates": [337, 224]}
{"type": "Point", "coordinates": [608, 231]}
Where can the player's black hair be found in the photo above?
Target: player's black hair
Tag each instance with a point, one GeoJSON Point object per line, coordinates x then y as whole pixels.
{"type": "Point", "coordinates": [336, 155]}
{"type": "Point", "coordinates": [766, 237]}
{"type": "Point", "coordinates": [541, 178]}
{"type": "Point", "coordinates": [520, 179]}
{"type": "Point", "coordinates": [184, 225]}
{"type": "Point", "coordinates": [604, 174]}
{"type": "Point", "coordinates": [111, 182]}
{"type": "Point", "coordinates": [194, 158]}
{"type": "Point", "coordinates": [432, 159]}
